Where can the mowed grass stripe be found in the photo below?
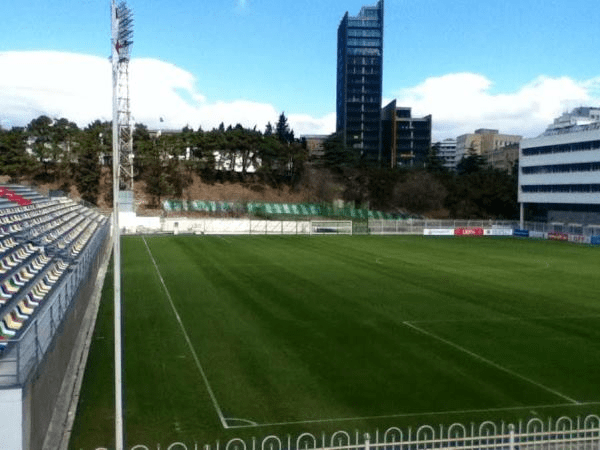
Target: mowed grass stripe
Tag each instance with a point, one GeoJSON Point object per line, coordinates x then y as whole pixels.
{"type": "Point", "coordinates": [164, 390]}
{"type": "Point", "coordinates": [189, 343]}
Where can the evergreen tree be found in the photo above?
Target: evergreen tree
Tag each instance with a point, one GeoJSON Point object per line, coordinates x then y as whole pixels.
{"type": "Point", "coordinates": [39, 130]}
{"type": "Point", "coordinates": [434, 163]}
{"type": "Point", "coordinates": [471, 162]}
{"type": "Point", "coordinates": [336, 154]}
{"type": "Point", "coordinates": [14, 160]}
{"type": "Point", "coordinates": [269, 129]}
{"type": "Point", "coordinates": [283, 131]}
{"type": "Point", "coordinates": [87, 168]}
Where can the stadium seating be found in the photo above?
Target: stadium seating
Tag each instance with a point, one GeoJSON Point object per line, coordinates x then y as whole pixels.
{"type": "Point", "coordinates": [280, 209]}
{"type": "Point", "coordinates": [40, 239]}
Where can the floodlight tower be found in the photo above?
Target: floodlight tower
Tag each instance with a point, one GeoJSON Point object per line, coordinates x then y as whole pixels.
{"type": "Point", "coordinates": [122, 32]}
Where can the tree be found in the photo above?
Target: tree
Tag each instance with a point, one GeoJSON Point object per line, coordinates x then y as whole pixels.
{"type": "Point", "coordinates": [14, 160]}
{"type": "Point", "coordinates": [63, 136]}
{"type": "Point", "coordinates": [269, 129]}
{"type": "Point", "coordinates": [336, 154]}
{"type": "Point", "coordinates": [154, 160]}
{"type": "Point", "coordinates": [39, 130]}
{"type": "Point", "coordinates": [420, 192]}
{"type": "Point", "coordinates": [87, 176]}
{"type": "Point", "coordinates": [283, 131]}
{"type": "Point", "coordinates": [433, 163]}
{"type": "Point", "coordinates": [471, 162]}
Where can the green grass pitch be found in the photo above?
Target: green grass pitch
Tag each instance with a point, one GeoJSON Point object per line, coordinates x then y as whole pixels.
{"type": "Point", "coordinates": [250, 336]}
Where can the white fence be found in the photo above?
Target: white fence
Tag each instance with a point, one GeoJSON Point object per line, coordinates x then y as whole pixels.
{"type": "Point", "coordinates": [571, 232]}
{"type": "Point", "coordinates": [220, 226]}
{"type": "Point", "coordinates": [184, 225]}
{"type": "Point", "coordinates": [560, 434]}
{"type": "Point", "coordinates": [246, 226]}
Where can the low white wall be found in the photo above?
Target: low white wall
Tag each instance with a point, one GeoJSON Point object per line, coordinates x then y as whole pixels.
{"type": "Point", "coordinates": [11, 424]}
{"type": "Point", "coordinates": [130, 223]}
{"type": "Point", "coordinates": [234, 226]}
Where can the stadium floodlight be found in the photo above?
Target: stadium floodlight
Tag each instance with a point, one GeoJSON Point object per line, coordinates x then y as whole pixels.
{"type": "Point", "coordinates": [121, 42]}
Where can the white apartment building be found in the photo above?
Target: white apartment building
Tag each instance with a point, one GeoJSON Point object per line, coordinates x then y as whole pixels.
{"type": "Point", "coordinates": [559, 173]}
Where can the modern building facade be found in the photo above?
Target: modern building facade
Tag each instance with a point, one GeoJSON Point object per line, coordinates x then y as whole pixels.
{"type": "Point", "coordinates": [406, 140]}
{"type": "Point", "coordinates": [483, 141]}
{"type": "Point", "coordinates": [359, 81]}
{"type": "Point", "coordinates": [559, 174]}
{"type": "Point", "coordinates": [446, 153]}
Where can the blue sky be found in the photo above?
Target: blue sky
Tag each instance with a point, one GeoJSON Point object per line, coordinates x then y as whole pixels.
{"type": "Point", "coordinates": [511, 65]}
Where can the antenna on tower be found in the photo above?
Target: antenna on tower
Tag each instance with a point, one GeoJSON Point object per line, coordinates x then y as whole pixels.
{"type": "Point", "coordinates": [121, 42]}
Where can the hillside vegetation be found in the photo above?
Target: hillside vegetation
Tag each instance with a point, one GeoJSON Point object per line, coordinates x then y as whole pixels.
{"type": "Point", "coordinates": [239, 164]}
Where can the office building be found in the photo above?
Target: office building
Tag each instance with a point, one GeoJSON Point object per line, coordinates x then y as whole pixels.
{"type": "Point", "coordinates": [446, 153]}
{"type": "Point", "coordinates": [359, 81]}
{"type": "Point", "coordinates": [483, 141]}
{"type": "Point", "coordinates": [406, 140]}
{"type": "Point", "coordinates": [559, 172]}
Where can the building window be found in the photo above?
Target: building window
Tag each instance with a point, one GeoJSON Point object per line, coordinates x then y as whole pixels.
{"type": "Point", "coordinates": [560, 188]}
{"type": "Point", "coordinates": [563, 148]}
{"type": "Point", "coordinates": [561, 168]}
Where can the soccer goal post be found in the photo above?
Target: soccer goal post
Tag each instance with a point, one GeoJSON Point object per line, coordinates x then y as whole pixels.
{"type": "Point", "coordinates": [331, 227]}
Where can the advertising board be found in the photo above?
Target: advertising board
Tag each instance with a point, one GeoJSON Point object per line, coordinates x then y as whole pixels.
{"type": "Point", "coordinates": [595, 240]}
{"type": "Point", "coordinates": [537, 234]}
{"type": "Point", "coordinates": [468, 231]}
{"type": "Point", "coordinates": [438, 231]}
{"type": "Point", "coordinates": [557, 236]}
{"type": "Point", "coordinates": [521, 233]}
{"type": "Point", "coordinates": [498, 232]}
{"type": "Point", "coordinates": [577, 238]}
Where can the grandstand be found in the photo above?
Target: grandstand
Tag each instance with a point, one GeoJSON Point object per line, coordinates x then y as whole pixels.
{"type": "Point", "coordinates": [269, 209]}
{"type": "Point", "coordinates": [50, 250]}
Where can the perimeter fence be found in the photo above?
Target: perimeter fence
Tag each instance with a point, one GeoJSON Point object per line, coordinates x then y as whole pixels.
{"type": "Point", "coordinates": [564, 433]}
{"type": "Point", "coordinates": [588, 234]}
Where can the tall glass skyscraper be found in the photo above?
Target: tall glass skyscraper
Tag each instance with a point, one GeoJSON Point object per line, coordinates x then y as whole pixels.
{"type": "Point", "coordinates": [359, 79]}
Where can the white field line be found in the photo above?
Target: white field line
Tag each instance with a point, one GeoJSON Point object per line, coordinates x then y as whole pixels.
{"type": "Point", "coordinates": [491, 363]}
{"type": "Point", "coordinates": [189, 343]}
{"type": "Point", "coordinates": [421, 414]}
{"type": "Point", "coordinates": [507, 319]}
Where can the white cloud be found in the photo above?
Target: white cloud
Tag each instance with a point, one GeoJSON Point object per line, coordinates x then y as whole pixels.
{"type": "Point", "coordinates": [79, 87]}
{"type": "Point", "coordinates": [56, 84]}
{"type": "Point", "coordinates": [462, 102]}
{"type": "Point", "coordinates": [305, 124]}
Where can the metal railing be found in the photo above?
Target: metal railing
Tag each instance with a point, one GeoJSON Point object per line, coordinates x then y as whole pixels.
{"type": "Point", "coordinates": [563, 433]}
{"type": "Point", "coordinates": [24, 354]}
{"type": "Point", "coordinates": [417, 226]}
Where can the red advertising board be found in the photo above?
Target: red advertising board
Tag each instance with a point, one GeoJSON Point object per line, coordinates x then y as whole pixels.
{"type": "Point", "coordinates": [468, 231]}
{"type": "Point", "coordinates": [556, 236]}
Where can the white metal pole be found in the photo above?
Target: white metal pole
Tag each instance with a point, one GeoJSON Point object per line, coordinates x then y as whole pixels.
{"type": "Point", "coordinates": [119, 441]}
{"type": "Point", "coordinates": [522, 216]}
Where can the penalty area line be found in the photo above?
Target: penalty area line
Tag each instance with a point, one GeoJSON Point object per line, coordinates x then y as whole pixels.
{"type": "Point", "coordinates": [213, 398]}
{"type": "Point", "coordinates": [491, 363]}
{"type": "Point", "coordinates": [415, 415]}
